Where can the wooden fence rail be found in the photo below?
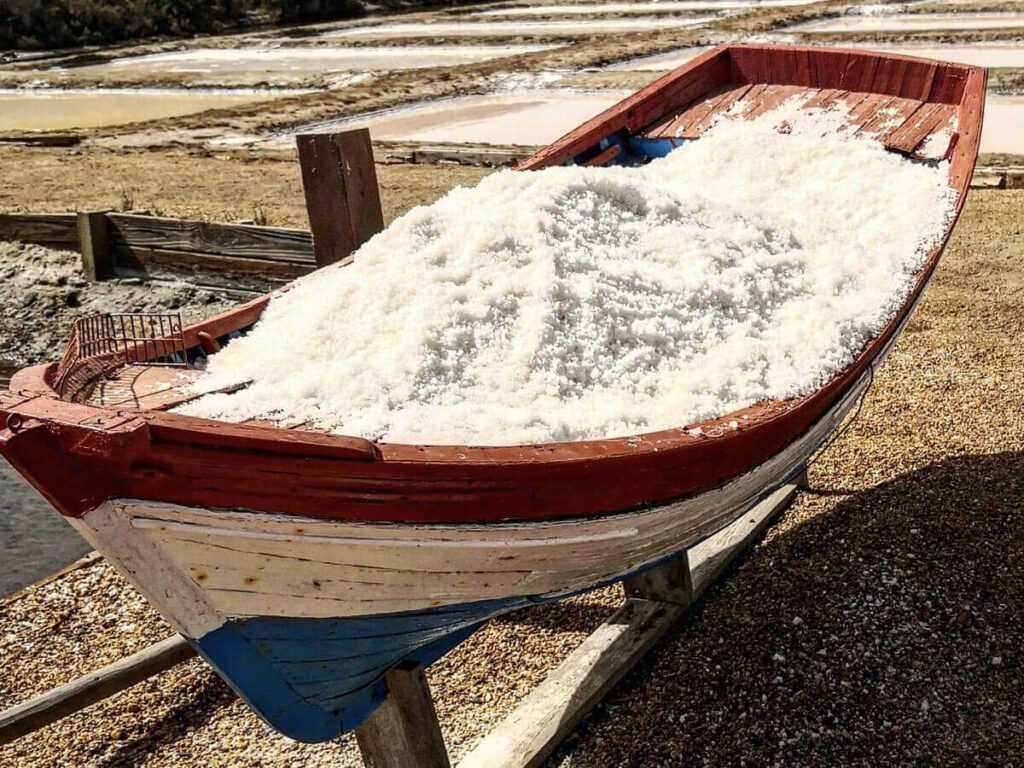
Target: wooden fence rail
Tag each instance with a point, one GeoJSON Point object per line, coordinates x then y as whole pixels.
{"type": "Point", "coordinates": [238, 255]}
{"type": "Point", "coordinates": [131, 245]}
{"type": "Point", "coordinates": [342, 199]}
{"type": "Point", "coordinates": [44, 228]}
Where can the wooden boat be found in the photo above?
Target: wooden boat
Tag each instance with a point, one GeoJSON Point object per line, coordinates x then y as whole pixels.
{"type": "Point", "coordinates": [303, 565]}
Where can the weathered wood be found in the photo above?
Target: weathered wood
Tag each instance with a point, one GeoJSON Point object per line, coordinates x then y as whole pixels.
{"type": "Point", "coordinates": [234, 319]}
{"type": "Point", "coordinates": [605, 156]}
{"type": "Point", "coordinates": [145, 386]}
{"type": "Point", "coordinates": [243, 241]}
{"type": "Point", "coordinates": [392, 576]}
{"type": "Point", "coordinates": [800, 478]}
{"type": "Point", "coordinates": [467, 155]}
{"type": "Point", "coordinates": [94, 241]}
{"type": "Point", "coordinates": [403, 732]}
{"type": "Point", "coordinates": [226, 255]}
{"type": "Point", "coordinates": [1012, 179]}
{"type": "Point", "coordinates": [206, 268]}
{"type": "Point", "coordinates": [701, 74]}
{"type": "Point", "coordinates": [669, 582]}
{"type": "Point", "coordinates": [541, 722]}
{"type": "Point", "coordinates": [46, 228]}
{"type": "Point", "coordinates": [79, 694]}
{"type": "Point", "coordinates": [42, 139]}
{"type": "Point", "coordinates": [342, 197]}
{"type": "Point", "coordinates": [209, 344]}
{"type": "Point", "coordinates": [529, 735]}
{"type": "Point", "coordinates": [712, 556]}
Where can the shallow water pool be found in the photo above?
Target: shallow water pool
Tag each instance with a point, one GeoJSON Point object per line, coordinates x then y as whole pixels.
{"type": "Point", "coordinates": [519, 28]}
{"type": "Point", "coordinates": [313, 60]}
{"type": "Point", "coordinates": [35, 540]}
{"type": "Point", "coordinates": [534, 118]}
{"type": "Point", "coordinates": [913, 22]}
{"type": "Point", "coordinates": [977, 55]}
{"type": "Point", "coordinates": [527, 118]}
{"type": "Point", "coordinates": [54, 110]}
{"type": "Point", "coordinates": [667, 6]}
{"type": "Point", "coordinates": [1001, 130]}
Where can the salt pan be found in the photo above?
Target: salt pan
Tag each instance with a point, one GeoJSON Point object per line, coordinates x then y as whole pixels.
{"type": "Point", "coordinates": [577, 303]}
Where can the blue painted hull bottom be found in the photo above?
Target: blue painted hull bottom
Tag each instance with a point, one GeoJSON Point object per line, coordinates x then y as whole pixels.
{"type": "Point", "coordinates": [313, 679]}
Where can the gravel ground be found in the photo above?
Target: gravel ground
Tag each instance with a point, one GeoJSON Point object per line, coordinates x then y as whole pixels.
{"type": "Point", "coordinates": [879, 622]}
{"type": "Point", "coordinates": [44, 292]}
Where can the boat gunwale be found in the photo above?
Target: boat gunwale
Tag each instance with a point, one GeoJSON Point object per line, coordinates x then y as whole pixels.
{"type": "Point", "coordinates": [751, 420]}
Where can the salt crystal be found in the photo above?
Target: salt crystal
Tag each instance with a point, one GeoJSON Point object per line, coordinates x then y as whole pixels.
{"type": "Point", "coordinates": [576, 303]}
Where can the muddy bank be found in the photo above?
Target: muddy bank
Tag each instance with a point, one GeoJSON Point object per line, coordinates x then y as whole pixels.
{"type": "Point", "coordinates": [43, 291]}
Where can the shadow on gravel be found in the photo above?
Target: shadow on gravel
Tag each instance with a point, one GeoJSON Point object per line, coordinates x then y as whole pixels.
{"type": "Point", "coordinates": [199, 695]}
{"type": "Point", "coordinates": [887, 628]}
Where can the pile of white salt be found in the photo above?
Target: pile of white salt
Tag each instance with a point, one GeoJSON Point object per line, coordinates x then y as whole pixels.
{"type": "Point", "coordinates": [577, 303]}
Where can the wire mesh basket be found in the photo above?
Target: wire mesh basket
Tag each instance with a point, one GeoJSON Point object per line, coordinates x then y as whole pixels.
{"type": "Point", "coordinates": [100, 343]}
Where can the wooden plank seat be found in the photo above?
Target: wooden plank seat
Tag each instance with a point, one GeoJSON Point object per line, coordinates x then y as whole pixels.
{"type": "Point", "coordinates": [901, 124]}
{"type": "Point", "coordinates": [144, 386]}
{"type": "Point", "coordinates": [152, 387]}
{"type": "Point", "coordinates": [161, 388]}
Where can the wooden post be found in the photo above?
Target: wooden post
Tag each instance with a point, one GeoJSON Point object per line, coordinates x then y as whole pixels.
{"type": "Point", "coordinates": [342, 197]}
{"type": "Point", "coordinates": [403, 732]}
{"type": "Point", "coordinates": [669, 582]}
{"type": "Point", "coordinates": [79, 694]}
{"type": "Point", "coordinates": [94, 241]}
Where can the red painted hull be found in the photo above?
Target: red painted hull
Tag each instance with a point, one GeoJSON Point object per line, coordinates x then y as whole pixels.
{"type": "Point", "coordinates": [79, 455]}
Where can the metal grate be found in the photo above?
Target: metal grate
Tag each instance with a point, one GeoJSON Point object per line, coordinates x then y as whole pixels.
{"type": "Point", "coordinates": [100, 342]}
{"type": "Point", "coordinates": [147, 338]}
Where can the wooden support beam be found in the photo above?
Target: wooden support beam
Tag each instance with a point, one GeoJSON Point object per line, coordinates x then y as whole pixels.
{"type": "Point", "coordinates": [53, 229]}
{"type": "Point", "coordinates": [94, 241]}
{"type": "Point", "coordinates": [342, 198]}
{"type": "Point", "coordinates": [713, 555]}
{"type": "Point", "coordinates": [528, 736]}
{"type": "Point", "coordinates": [669, 582]}
{"type": "Point", "coordinates": [79, 694]}
{"type": "Point", "coordinates": [403, 731]}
